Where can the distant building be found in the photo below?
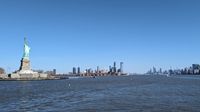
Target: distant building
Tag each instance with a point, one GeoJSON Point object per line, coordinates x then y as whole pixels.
{"type": "Point", "coordinates": [118, 70]}
{"type": "Point", "coordinates": [121, 67]}
{"type": "Point", "coordinates": [2, 71]}
{"type": "Point", "coordinates": [196, 71]}
{"type": "Point", "coordinates": [154, 70]}
{"type": "Point", "coordinates": [39, 71]}
{"type": "Point", "coordinates": [114, 67]}
{"type": "Point", "coordinates": [150, 71]}
{"type": "Point", "coordinates": [74, 70]}
{"type": "Point", "coordinates": [110, 69]}
{"type": "Point", "coordinates": [195, 66]}
{"type": "Point", "coordinates": [54, 71]}
{"type": "Point", "coordinates": [97, 69]}
{"type": "Point", "coordinates": [90, 70]}
{"type": "Point", "coordinates": [49, 72]}
{"type": "Point", "coordinates": [78, 70]}
{"type": "Point", "coordinates": [160, 71]}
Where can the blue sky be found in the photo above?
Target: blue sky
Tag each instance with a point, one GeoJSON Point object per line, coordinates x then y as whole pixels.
{"type": "Point", "coordinates": [86, 33]}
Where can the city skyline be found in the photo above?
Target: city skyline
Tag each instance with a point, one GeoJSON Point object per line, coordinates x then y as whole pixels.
{"type": "Point", "coordinates": [89, 33]}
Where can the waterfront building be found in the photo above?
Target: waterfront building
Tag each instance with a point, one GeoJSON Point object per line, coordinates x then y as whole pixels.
{"type": "Point", "coordinates": [121, 67]}
{"type": "Point", "coordinates": [49, 72]}
{"type": "Point", "coordinates": [39, 71]}
{"type": "Point", "coordinates": [90, 70]}
{"type": "Point", "coordinates": [154, 70]}
{"type": "Point", "coordinates": [2, 74]}
{"type": "Point", "coordinates": [2, 71]}
{"type": "Point", "coordinates": [195, 66]}
{"type": "Point", "coordinates": [74, 70]}
{"type": "Point", "coordinates": [78, 70]}
{"type": "Point", "coordinates": [114, 67]}
{"type": "Point", "coordinates": [97, 69]}
{"type": "Point", "coordinates": [160, 71]}
{"type": "Point", "coordinates": [54, 71]}
{"type": "Point", "coordinates": [196, 71]}
{"type": "Point", "coordinates": [110, 69]}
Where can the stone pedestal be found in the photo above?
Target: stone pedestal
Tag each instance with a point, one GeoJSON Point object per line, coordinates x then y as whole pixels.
{"type": "Point", "coordinates": [25, 64]}
{"type": "Point", "coordinates": [25, 70]}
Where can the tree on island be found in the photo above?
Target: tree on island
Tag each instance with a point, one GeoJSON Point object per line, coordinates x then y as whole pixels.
{"type": "Point", "coordinates": [2, 71]}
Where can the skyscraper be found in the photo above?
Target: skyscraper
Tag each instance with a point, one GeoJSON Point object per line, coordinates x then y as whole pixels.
{"type": "Point", "coordinates": [160, 71]}
{"type": "Point", "coordinates": [78, 70]}
{"type": "Point", "coordinates": [74, 70]}
{"type": "Point", "coordinates": [110, 69]}
{"type": "Point", "coordinates": [114, 67]}
{"type": "Point", "coordinates": [54, 71]}
{"type": "Point", "coordinates": [121, 67]}
{"type": "Point", "coordinates": [154, 70]}
{"type": "Point", "coordinates": [97, 69]}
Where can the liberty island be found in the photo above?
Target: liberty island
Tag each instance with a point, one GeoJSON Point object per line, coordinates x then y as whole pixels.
{"type": "Point", "coordinates": [25, 72]}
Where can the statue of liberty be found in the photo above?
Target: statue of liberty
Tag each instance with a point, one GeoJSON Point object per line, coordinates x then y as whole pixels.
{"type": "Point", "coordinates": [26, 49]}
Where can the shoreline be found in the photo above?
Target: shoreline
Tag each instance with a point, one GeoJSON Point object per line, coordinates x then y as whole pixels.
{"type": "Point", "coordinates": [12, 79]}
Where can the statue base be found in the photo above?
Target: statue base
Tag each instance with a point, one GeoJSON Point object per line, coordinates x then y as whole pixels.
{"type": "Point", "coordinates": [25, 72]}
{"type": "Point", "coordinates": [28, 74]}
{"type": "Point", "coordinates": [25, 64]}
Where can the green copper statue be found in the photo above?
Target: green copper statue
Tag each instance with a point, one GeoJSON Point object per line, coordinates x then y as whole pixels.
{"type": "Point", "coordinates": [26, 49]}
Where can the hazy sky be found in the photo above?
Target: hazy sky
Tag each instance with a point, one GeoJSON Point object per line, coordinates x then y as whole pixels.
{"type": "Point", "coordinates": [86, 33]}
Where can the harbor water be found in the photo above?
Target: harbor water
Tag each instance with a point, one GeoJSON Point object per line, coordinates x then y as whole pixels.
{"type": "Point", "coordinates": [138, 93]}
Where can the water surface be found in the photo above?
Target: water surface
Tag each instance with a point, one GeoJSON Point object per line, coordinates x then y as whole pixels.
{"type": "Point", "coordinates": [124, 93]}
